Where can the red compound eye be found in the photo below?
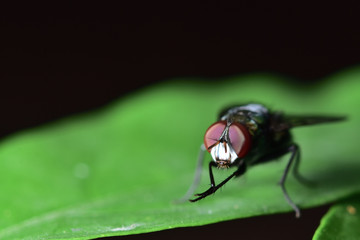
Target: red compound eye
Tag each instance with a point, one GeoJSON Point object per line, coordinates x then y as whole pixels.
{"type": "Point", "coordinates": [213, 133]}
{"type": "Point", "coordinates": [239, 137]}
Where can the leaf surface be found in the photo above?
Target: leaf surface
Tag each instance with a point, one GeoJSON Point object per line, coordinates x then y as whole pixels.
{"type": "Point", "coordinates": [117, 170]}
{"type": "Point", "coordinates": [341, 222]}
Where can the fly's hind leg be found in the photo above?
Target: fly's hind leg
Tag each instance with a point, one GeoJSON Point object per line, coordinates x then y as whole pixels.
{"type": "Point", "coordinates": [294, 152]}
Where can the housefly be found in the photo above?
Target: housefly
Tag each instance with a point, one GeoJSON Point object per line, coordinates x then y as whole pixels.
{"type": "Point", "coordinates": [249, 134]}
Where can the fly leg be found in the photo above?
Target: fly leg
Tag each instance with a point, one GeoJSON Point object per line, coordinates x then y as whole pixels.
{"type": "Point", "coordinates": [213, 188]}
{"type": "Point", "coordinates": [197, 176]}
{"type": "Point", "coordinates": [294, 149]}
{"type": "Point", "coordinates": [296, 173]}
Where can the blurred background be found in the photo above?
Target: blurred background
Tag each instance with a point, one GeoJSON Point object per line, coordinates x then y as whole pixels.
{"type": "Point", "coordinates": [59, 60]}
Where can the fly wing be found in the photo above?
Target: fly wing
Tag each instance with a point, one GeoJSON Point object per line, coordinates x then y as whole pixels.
{"type": "Point", "coordinates": [280, 122]}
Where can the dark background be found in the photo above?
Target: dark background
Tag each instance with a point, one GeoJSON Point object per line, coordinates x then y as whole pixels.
{"type": "Point", "coordinates": [58, 60]}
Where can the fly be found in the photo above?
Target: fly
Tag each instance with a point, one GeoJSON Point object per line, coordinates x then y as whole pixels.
{"type": "Point", "coordinates": [249, 134]}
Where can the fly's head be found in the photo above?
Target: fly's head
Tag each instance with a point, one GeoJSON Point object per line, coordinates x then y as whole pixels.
{"type": "Point", "coordinates": [226, 142]}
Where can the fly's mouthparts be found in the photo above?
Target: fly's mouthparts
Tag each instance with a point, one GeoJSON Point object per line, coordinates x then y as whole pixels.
{"type": "Point", "coordinates": [223, 163]}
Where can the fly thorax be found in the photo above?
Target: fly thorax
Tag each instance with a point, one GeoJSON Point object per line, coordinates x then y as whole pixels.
{"type": "Point", "coordinates": [223, 154]}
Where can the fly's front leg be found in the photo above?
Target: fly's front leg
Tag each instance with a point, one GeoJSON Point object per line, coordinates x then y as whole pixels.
{"type": "Point", "coordinates": [213, 188]}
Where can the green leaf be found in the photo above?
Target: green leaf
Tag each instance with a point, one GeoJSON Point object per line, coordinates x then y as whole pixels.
{"type": "Point", "coordinates": [341, 222]}
{"type": "Point", "coordinates": [116, 171]}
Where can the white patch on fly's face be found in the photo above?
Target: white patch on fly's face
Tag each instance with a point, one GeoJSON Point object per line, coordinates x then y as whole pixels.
{"type": "Point", "coordinates": [223, 152]}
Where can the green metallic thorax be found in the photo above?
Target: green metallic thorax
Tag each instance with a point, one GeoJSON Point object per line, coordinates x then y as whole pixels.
{"type": "Point", "coordinates": [266, 144]}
